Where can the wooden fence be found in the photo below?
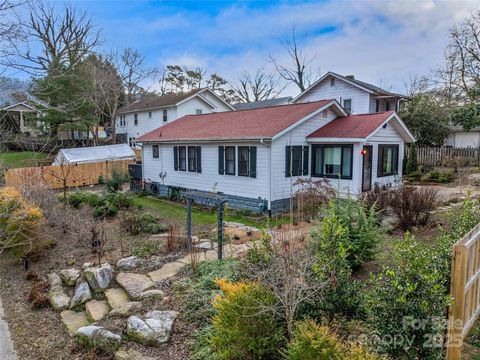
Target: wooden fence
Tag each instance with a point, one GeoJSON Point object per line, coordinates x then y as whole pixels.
{"type": "Point", "coordinates": [446, 156]}
{"type": "Point", "coordinates": [70, 175]}
{"type": "Point", "coordinates": [465, 290]}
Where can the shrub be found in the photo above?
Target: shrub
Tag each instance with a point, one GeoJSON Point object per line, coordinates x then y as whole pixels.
{"type": "Point", "coordinates": [135, 223]}
{"type": "Point", "coordinates": [315, 342]}
{"type": "Point", "coordinates": [105, 210]}
{"type": "Point", "coordinates": [120, 200]}
{"type": "Point", "coordinates": [201, 289]}
{"type": "Point", "coordinates": [378, 199]}
{"type": "Point", "coordinates": [311, 195]}
{"type": "Point", "coordinates": [200, 348]}
{"type": "Point", "coordinates": [115, 183]}
{"type": "Point", "coordinates": [20, 222]}
{"type": "Point", "coordinates": [38, 295]}
{"type": "Point", "coordinates": [412, 162]}
{"type": "Point", "coordinates": [244, 323]}
{"type": "Point", "coordinates": [412, 206]}
{"type": "Point", "coordinates": [78, 198]}
{"type": "Point", "coordinates": [411, 289]}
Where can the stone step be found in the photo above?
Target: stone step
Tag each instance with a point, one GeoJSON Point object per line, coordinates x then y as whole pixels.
{"type": "Point", "coordinates": [116, 297]}
{"type": "Point", "coordinates": [74, 320]}
{"type": "Point", "coordinates": [96, 309]}
{"type": "Point", "coordinates": [134, 284]}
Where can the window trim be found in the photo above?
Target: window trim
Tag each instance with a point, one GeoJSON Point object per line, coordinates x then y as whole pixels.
{"type": "Point", "coordinates": [380, 172]}
{"type": "Point", "coordinates": [323, 146]}
{"type": "Point", "coordinates": [135, 119]}
{"type": "Point", "coordinates": [155, 151]}
{"type": "Point", "coordinates": [198, 111]}
{"type": "Point", "coordinates": [226, 161]}
{"type": "Point", "coordinates": [165, 115]}
{"type": "Point", "coordinates": [247, 161]}
{"type": "Point", "coordinates": [332, 81]}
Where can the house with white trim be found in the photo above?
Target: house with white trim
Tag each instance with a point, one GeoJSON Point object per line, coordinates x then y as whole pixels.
{"type": "Point", "coordinates": [356, 97]}
{"type": "Point", "coordinates": [143, 116]}
{"type": "Point", "coordinates": [254, 157]}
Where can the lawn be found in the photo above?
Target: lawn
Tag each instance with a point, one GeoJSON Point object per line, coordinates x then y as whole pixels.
{"type": "Point", "coordinates": [175, 211]}
{"type": "Point", "coordinates": [16, 159]}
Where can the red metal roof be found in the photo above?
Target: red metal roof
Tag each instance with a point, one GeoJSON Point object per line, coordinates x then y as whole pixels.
{"type": "Point", "coordinates": [353, 126]}
{"type": "Point", "coordinates": [241, 124]}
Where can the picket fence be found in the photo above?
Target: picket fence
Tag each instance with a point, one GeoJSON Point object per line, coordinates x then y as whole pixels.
{"type": "Point", "coordinates": [446, 156]}
{"type": "Point", "coordinates": [465, 291]}
{"type": "Point", "coordinates": [69, 175]}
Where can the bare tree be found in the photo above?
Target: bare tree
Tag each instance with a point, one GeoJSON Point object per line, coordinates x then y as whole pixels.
{"type": "Point", "coordinates": [261, 86]}
{"type": "Point", "coordinates": [134, 72]}
{"type": "Point", "coordinates": [54, 42]}
{"type": "Point", "coordinates": [299, 70]}
{"type": "Point", "coordinates": [9, 27]}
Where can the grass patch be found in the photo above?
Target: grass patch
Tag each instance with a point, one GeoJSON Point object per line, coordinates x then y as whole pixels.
{"type": "Point", "coordinates": [17, 159]}
{"type": "Point", "coordinates": [173, 211]}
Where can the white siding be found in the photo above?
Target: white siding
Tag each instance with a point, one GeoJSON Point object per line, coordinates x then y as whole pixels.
{"type": "Point", "coordinates": [340, 90]}
{"type": "Point", "coordinates": [282, 186]}
{"type": "Point", "coordinates": [209, 179]}
{"type": "Point", "coordinates": [219, 105]}
{"type": "Point", "coordinates": [189, 107]}
{"type": "Point", "coordinates": [466, 139]}
{"type": "Point", "coordinates": [387, 135]}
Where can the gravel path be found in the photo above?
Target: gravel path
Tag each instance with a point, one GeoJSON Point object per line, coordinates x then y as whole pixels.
{"type": "Point", "coordinates": [7, 352]}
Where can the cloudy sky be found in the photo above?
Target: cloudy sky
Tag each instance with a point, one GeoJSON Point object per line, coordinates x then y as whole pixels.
{"type": "Point", "coordinates": [383, 42]}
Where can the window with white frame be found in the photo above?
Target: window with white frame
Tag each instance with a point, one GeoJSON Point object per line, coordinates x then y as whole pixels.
{"type": "Point", "coordinates": [198, 111]}
{"type": "Point", "coordinates": [387, 160]}
{"type": "Point", "coordinates": [347, 105]}
{"type": "Point", "coordinates": [165, 115]}
{"type": "Point", "coordinates": [155, 151]}
{"type": "Point", "coordinates": [135, 119]}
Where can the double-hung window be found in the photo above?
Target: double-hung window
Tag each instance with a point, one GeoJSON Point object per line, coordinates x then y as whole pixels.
{"type": "Point", "coordinates": [187, 158]}
{"type": "Point", "coordinates": [332, 161]}
{"type": "Point", "coordinates": [135, 119]}
{"type": "Point", "coordinates": [296, 160]}
{"type": "Point", "coordinates": [229, 160]}
{"type": "Point", "coordinates": [347, 105]}
{"type": "Point", "coordinates": [165, 115]}
{"type": "Point", "coordinates": [243, 160]}
{"type": "Point", "coordinates": [387, 160]}
{"type": "Point", "coordinates": [247, 160]}
{"type": "Point", "coordinates": [155, 151]}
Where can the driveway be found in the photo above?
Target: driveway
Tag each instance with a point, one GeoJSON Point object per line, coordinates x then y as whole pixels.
{"type": "Point", "coordinates": [7, 351]}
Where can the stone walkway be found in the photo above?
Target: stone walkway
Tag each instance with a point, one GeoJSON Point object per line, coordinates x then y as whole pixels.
{"type": "Point", "coordinates": [7, 351]}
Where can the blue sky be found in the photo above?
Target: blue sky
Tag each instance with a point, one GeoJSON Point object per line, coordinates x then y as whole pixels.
{"type": "Point", "coordinates": [383, 42]}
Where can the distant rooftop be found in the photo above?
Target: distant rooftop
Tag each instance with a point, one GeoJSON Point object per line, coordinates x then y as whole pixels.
{"type": "Point", "coordinates": [263, 103]}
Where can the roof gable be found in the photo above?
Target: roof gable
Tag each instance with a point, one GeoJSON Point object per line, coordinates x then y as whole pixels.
{"type": "Point", "coordinates": [259, 123]}
{"type": "Point", "coordinates": [369, 88]}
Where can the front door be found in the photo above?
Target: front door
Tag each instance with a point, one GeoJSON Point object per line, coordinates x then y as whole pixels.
{"type": "Point", "coordinates": [367, 168]}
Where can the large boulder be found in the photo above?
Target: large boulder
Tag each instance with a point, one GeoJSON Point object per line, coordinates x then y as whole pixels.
{"type": "Point", "coordinates": [70, 276]}
{"type": "Point", "coordinates": [155, 329]}
{"type": "Point", "coordinates": [128, 263]}
{"type": "Point", "coordinates": [99, 277]}
{"type": "Point", "coordinates": [156, 294]}
{"type": "Point", "coordinates": [58, 299]}
{"type": "Point", "coordinates": [82, 294]}
{"type": "Point", "coordinates": [97, 337]}
{"type": "Point", "coordinates": [134, 284]}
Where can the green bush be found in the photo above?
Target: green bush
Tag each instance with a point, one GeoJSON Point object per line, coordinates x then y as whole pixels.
{"type": "Point", "coordinates": [120, 200]}
{"type": "Point", "coordinates": [200, 348]}
{"type": "Point", "coordinates": [314, 342]}
{"type": "Point", "coordinates": [244, 324]}
{"type": "Point", "coordinates": [412, 162]}
{"type": "Point", "coordinates": [106, 205]}
{"type": "Point", "coordinates": [105, 210]}
{"type": "Point", "coordinates": [78, 198]}
{"type": "Point", "coordinates": [135, 223]}
{"type": "Point", "coordinates": [115, 183]}
{"type": "Point", "coordinates": [201, 287]}
{"type": "Point", "coordinates": [412, 288]}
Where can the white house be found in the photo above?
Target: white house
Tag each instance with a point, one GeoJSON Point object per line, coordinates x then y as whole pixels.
{"type": "Point", "coordinates": [461, 138]}
{"type": "Point", "coordinates": [255, 156]}
{"type": "Point", "coordinates": [145, 115]}
{"type": "Point", "coordinates": [356, 97]}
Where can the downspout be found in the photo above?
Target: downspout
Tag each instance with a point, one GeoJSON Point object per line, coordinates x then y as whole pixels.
{"type": "Point", "coordinates": [269, 175]}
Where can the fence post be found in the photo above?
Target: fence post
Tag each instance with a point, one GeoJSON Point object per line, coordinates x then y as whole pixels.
{"type": "Point", "coordinates": [456, 310]}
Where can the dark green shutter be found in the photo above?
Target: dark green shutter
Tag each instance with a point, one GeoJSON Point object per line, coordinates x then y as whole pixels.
{"type": "Point", "coordinates": [175, 157]}
{"type": "Point", "coordinates": [198, 149]}
{"type": "Point", "coordinates": [305, 160]}
{"type": "Point", "coordinates": [221, 160]}
{"type": "Point", "coordinates": [253, 161]}
{"type": "Point", "coordinates": [288, 154]}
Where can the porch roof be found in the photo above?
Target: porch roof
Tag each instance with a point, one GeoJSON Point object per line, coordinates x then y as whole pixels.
{"type": "Point", "coordinates": [352, 127]}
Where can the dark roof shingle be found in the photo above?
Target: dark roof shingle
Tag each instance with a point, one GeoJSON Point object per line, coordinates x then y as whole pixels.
{"type": "Point", "coordinates": [263, 103]}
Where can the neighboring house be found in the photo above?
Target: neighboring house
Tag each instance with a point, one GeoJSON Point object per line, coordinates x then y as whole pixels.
{"type": "Point", "coordinates": [356, 97]}
{"type": "Point", "coordinates": [255, 156]}
{"type": "Point", "coordinates": [21, 112]}
{"type": "Point", "coordinates": [263, 103]}
{"type": "Point", "coordinates": [461, 138]}
{"type": "Point", "coordinates": [145, 115]}
{"type": "Point", "coordinates": [84, 155]}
